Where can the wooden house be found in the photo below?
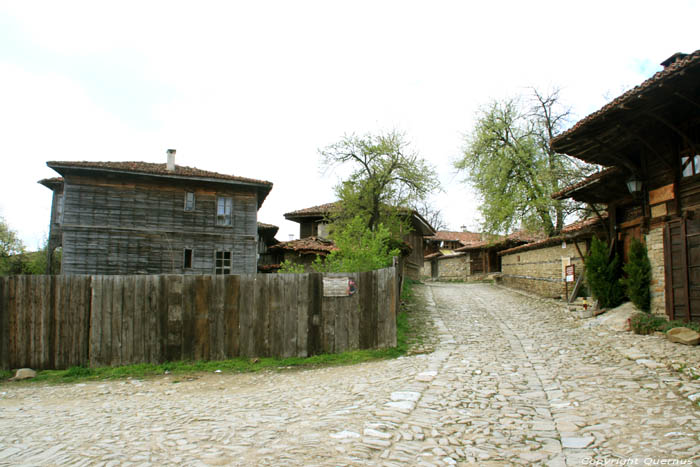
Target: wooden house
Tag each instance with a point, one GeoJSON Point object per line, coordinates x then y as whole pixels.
{"type": "Point", "coordinates": [146, 218]}
{"type": "Point", "coordinates": [313, 222]}
{"type": "Point", "coordinates": [648, 139]}
{"type": "Point", "coordinates": [447, 241]}
{"type": "Point", "coordinates": [267, 258]}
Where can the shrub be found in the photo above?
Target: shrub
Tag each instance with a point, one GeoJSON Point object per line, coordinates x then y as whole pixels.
{"type": "Point", "coordinates": [646, 323]}
{"type": "Point", "coordinates": [603, 276]}
{"type": "Point", "coordinates": [638, 272]}
{"type": "Point", "coordinates": [288, 267]}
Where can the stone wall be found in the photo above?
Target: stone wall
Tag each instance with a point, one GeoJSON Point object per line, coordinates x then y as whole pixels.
{"type": "Point", "coordinates": [453, 267]}
{"type": "Point", "coordinates": [541, 270]}
{"type": "Point", "coordinates": [655, 251]}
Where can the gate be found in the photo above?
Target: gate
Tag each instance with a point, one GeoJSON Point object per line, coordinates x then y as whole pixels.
{"type": "Point", "coordinates": [682, 264]}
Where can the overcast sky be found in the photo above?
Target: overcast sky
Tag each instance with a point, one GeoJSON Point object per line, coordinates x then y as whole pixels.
{"type": "Point", "coordinates": [256, 88]}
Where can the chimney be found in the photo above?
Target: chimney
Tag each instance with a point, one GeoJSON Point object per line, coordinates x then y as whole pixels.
{"type": "Point", "coordinates": [673, 59]}
{"type": "Point", "coordinates": [463, 227]}
{"type": "Point", "coordinates": [170, 166]}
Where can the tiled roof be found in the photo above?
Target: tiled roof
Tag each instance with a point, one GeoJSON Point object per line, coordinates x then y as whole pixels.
{"type": "Point", "coordinates": [658, 80]}
{"type": "Point", "coordinates": [463, 237]}
{"type": "Point", "coordinates": [432, 255]}
{"type": "Point", "coordinates": [52, 183]}
{"type": "Point", "coordinates": [586, 181]}
{"type": "Point", "coordinates": [320, 210]}
{"type": "Point", "coordinates": [577, 229]}
{"type": "Point", "coordinates": [149, 168]}
{"type": "Point", "coordinates": [520, 236]}
{"type": "Point", "coordinates": [308, 245]}
{"type": "Point", "coordinates": [262, 226]}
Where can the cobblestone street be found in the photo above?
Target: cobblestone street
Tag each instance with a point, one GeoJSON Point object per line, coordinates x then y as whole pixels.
{"type": "Point", "coordinates": [511, 380]}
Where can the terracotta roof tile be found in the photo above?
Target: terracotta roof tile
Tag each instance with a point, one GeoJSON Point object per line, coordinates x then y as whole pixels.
{"type": "Point", "coordinates": [149, 168]}
{"type": "Point", "coordinates": [308, 245]}
{"type": "Point", "coordinates": [659, 78]}
{"type": "Point", "coordinates": [571, 231]}
{"type": "Point", "coordinates": [320, 210]}
{"type": "Point", "coordinates": [464, 238]}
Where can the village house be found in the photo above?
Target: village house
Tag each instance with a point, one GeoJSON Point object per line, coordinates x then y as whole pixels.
{"type": "Point", "coordinates": [313, 222]}
{"type": "Point", "coordinates": [446, 241]}
{"type": "Point", "coordinates": [475, 260]}
{"type": "Point", "coordinates": [649, 141]}
{"type": "Point", "coordinates": [146, 218]}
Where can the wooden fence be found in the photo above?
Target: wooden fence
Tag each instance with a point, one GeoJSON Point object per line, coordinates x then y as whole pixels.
{"type": "Point", "coordinates": [61, 321]}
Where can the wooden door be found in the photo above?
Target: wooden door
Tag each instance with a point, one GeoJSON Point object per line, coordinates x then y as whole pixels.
{"type": "Point", "coordinates": [682, 261]}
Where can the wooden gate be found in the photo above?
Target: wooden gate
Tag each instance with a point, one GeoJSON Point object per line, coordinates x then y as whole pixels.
{"type": "Point", "coordinates": [682, 262]}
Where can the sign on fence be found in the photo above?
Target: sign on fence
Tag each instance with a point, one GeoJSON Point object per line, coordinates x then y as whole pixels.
{"type": "Point", "coordinates": [570, 272]}
{"type": "Point", "coordinates": [338, 287]}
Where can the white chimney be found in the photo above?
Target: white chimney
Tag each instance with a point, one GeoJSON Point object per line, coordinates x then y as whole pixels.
{"type": "Point", "coordinates": [171, 160]}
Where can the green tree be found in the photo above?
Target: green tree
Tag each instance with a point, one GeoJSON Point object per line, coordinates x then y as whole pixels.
{"type": "Point", "coordinates": [638, 276]}
{"type": "Point", "coordinates": [603, 275]}
{"type": "Point", "coordinates": [386, 177]}
{"type": "Point", "coordinates": [11, 248]}
{"type": "Point", "coordinates": [509, 162]}
{"type": "Point", "coordinates": [359, 249]}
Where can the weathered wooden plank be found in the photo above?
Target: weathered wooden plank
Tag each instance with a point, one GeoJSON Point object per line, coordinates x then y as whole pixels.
{"type": "Point", "coordinates": [58, 298]}
{"type": "Point", "coordinates": [162, 319]}
{"type": "Point", "coordinates": [46, 321]}
{"type": "Point", "coordinates": [32, 319]}
{"type": "Point", "coordinates": [246, 312]}
{"type": "Point", "coordinates": [354, 317]}
{"type": "Point", "coordinates": [4, 324]}
{"type": "Point", "coordinates": [151, 320]}
{"type": "Point", "coordinates": [128, 317]}
{"type": "Point", "coordinates": [232, 287]}
{"type": "Point", "coordinates": [96, 321]}
{"type": "Point", "coordinates": [314, 340]}
{"type": "Point", "coordinates": [328, 313]}
{"type": "Point", "coordinates": [340, 328]}
{"type": "Point", "coordinates": [394, 306]}
{"type": "Point", "coordinates": [290, 306]}
{"type": "Point", "coordinates": [187, 342]}
{"type": "Point", "coordinates": [261, 320]}
{"type": "Point", "coordinates": [277, 310]}
{"type": "Point", "coordinates": [203, 286]}
{"type": "Point", "coordinates": [83, 331]}
{"type": "Point", "coordinates": [380, 294]}
{"type": "Point", "coordinates": [302, 307]}
{"type": "Point", "coordinates": [177, 301]}
{"type": "Point", "coordinates": [117, 357]}
{"type": "Point", "coordinates": [216, 318]}
{"type": "Point", "coordinates": [139, 323]}
{"type": "Point", "coordinates": [27, 324]}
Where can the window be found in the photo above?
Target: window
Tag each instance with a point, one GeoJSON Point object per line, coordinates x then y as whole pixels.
{"type": "Point", "coordinates": [187, 261]}
{"type": "Point", "coordinates": [189, 201]}
{"type": "Point", "coordinates": [223, 262]}
{"type": "Point", "coordinates": [224, 208]}
{"type": "Point", "coordinates": [690, 165]}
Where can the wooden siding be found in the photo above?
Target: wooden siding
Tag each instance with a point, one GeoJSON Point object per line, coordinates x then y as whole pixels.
{"type": "Point", "coordinates": [61, 321]}
{"type": "Point", "coordinates": [121, 227]}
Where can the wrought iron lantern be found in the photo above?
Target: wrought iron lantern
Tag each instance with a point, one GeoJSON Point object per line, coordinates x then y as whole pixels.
{"type": "Point", "coordinates": [634, 184]}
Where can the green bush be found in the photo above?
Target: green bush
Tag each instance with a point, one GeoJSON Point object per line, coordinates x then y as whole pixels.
{"type": "Point", "coordinates": [288, 267]}
{"type": "Point", "coordinates": [646, 323]}
{"type": "Point", "coordinates": [603, 276]}
{"type": "Point", "coordinates": [638, 272]}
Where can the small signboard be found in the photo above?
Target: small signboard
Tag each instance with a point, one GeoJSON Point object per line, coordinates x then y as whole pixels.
{"type": "Point", "coordinates": [570, 272]}
{"type": "Point", "coordinates": [338, 287]}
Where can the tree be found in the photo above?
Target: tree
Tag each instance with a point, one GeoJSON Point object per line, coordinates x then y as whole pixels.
{"type": "Point", "coordinates": [638, 275]}
{"type": "Point", "coordinates": [603, 275]}
{"type": "Point", "coordinates": [431, 214]}
{"type": "Point", "coordinates": [511, 165]}
{"type": "Point", "coordinates": [386, 176]}
{"type": "Point", "coordinates": [10, 247]}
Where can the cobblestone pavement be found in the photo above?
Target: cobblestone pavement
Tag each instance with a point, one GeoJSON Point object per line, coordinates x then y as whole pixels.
{"type": "Point", "coordinates": [511, 380]}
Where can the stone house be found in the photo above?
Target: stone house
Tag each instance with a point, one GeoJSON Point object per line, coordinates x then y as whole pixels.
{"type": "Point", "coordinates": [648, 140]}
{"type": "Point", "coordinates": [146, 218]}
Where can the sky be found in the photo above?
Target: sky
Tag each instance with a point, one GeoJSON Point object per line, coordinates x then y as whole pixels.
{"type": "Point", "coordinates": [255, 89]}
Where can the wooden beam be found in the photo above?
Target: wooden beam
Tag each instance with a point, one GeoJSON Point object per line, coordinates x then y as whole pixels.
{"type": "Point", "coordinates": [674, 128]}
{"type": "Point", "coordinates": [618, 158]}
{"type": "Point", "coordinates": [687, 99]}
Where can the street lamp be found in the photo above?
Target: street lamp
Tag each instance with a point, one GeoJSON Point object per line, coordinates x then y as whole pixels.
{"type": "Point", "coordinates": [634, 184]}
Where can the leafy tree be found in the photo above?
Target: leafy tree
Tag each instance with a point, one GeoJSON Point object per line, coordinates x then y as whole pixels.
{"type": "Point", "coordinates": [359, 249]}
{"type": "Point", "coordinates": [10, 247]}
{"type": "Point", "coordinates": [289, 267]}
{"type": "Point", "coordinates": [431, 214]}
{"type": "Point", "coordinates": [603, 276]}
{"type": "Point", "coordinates": [638, 272]}
{"type": "Point", "coordinates": [386, 176]}
{"type": "Point", "coordinates": [511, 165]}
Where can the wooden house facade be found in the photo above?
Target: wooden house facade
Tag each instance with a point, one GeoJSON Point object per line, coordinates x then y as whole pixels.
{"type": "Point", "coordinates": [313, 222]}
{"type": "Point", "coordinates": [648, 140]}
{"type": "Point", "coordinates": [145, 218]}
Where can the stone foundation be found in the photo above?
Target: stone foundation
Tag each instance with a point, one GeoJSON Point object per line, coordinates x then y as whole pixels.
{"type": "Point", "coordinates": [655, 250]}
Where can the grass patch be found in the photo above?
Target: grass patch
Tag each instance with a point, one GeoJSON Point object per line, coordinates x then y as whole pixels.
{"type": "Point", "coordinates": [235, 365]}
